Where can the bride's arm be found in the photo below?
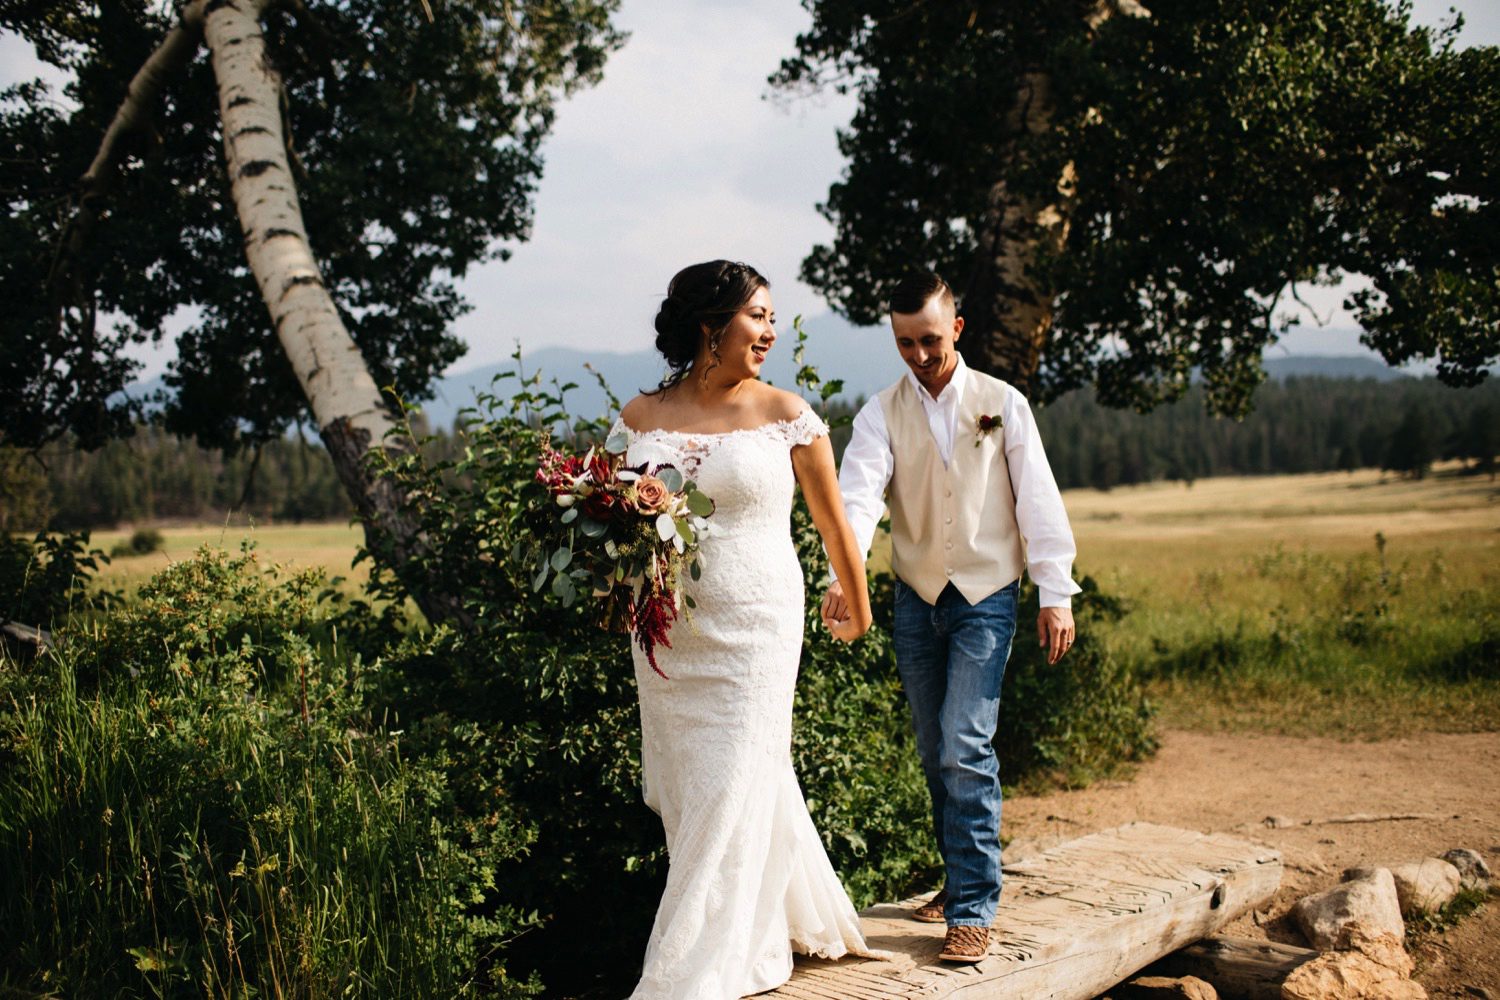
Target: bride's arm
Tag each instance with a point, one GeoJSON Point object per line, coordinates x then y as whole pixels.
{"type": "Point", "coordinates": [813, 464]}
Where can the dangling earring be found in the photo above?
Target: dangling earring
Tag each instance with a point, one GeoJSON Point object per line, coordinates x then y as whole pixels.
{"type": "Point", "coordinates": [714, 339]}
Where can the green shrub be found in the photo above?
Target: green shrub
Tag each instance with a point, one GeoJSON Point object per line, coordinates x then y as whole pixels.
{"type": "Point", "coordinates": [1080, 719]}
{"type": "Point", "coordinates": [143, 541]}
{"type": "Point", "coordinates": [196, 799]}
{"type": "Point", "coordinates": [41, 580]}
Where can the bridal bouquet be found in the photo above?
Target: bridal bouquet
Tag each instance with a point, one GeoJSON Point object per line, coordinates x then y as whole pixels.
{"type": "Point", "coordinates": [629, 532]}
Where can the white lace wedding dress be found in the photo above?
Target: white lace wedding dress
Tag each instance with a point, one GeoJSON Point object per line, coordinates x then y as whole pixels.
{"type": "Point", "coordinates": [749, 880]}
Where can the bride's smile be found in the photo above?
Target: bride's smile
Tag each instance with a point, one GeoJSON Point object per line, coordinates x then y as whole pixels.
{"type": "Point", "coordinates": [748, 337]}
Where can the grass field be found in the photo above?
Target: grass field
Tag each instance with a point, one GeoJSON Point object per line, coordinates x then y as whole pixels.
{"type": "Point", "coordinates": [331, 546]}
{"type": "Point", "coordinates": [1263, 604]}
{"type": "Point", "coordinates": [1340, 604]}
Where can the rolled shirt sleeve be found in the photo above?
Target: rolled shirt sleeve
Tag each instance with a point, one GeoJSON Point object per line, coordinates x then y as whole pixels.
{"type": "Point", "coordinates": [1040, 515]}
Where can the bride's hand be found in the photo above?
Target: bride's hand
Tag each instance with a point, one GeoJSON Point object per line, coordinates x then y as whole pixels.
{"type": "Point", "coordinates": [846, 629]}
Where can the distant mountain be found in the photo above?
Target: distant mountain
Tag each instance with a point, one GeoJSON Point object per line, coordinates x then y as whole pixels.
{"type": "Point", "coordinates": [863, 357]}
{"type": "Point", "coordinates": [1332, 367]}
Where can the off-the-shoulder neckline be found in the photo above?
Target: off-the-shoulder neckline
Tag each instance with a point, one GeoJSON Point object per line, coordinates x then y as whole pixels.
{"type": "Point", "coordinates": [620, 421]}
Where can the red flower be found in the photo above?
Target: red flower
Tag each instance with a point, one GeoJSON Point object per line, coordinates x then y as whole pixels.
{"type": "Point", "coordinates": [654, 614]}
{"type": "Point", "coordinates": [557, 471]}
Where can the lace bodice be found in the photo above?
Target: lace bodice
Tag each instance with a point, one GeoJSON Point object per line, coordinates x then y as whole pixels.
{"type": "Point", "coordinates": [748, 472]}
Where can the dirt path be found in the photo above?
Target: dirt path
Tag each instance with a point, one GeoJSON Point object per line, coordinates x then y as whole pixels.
{"type": "Point", "coordinates": [1225, 783]}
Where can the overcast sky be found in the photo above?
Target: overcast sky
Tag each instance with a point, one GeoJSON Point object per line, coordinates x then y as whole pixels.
{"type": "Point", "coordinates": [679, 156]}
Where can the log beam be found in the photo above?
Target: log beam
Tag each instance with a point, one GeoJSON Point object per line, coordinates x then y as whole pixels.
{"type": "Point", "coordinates": [1073, 922]}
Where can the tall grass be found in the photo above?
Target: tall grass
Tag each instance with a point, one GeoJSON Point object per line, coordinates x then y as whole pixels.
{"type": "Point", "coordinates": [195, 801]}
{"type": "Point", "coordinates": [1298, 641]}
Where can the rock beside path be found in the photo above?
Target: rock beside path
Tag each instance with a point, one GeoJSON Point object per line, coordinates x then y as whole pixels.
{"type": "Point", "coordinates": [1164, 988]}
{"type": "Point", "coordinates": [1424, 886]}
{"type": "Point", "coordinates": [1367, 902]}
{"type": "Point", "coordinates": [1363, 967]}
{"type": "Point", "coordinates": [1473, 873]}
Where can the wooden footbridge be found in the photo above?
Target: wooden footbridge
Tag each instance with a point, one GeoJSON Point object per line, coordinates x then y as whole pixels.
{"type": "Point", "coordinates": [1073, 921]}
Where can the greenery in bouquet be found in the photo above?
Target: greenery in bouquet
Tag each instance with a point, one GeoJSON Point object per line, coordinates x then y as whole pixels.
{"type": "Point", "coordinates": [627, 532]}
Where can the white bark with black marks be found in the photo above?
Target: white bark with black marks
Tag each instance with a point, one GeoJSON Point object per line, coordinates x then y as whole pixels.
{"type": "Point", "coordinates": [352, 417]}
{"type": "Point", "coordinates": [325, 358]}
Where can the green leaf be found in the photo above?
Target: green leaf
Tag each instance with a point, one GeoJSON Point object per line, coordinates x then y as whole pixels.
{"type": "Point", "coordinates": [617, 442]}
{"type": "Point", "coordinates": [538, 581]}
{"type": "Point", "coordinates": [699, 503]}
{"type": "Point", "coordinates": [670, 477]}
{"type": "Point", "coordinates": [695, 570]}
{"type": "Point", "coordinates": [561, 558]}
{"type": "Point", "coordinates": [592, 528]}
{"type": "Point", "coordinates": [685, 531]}
{"type": "Point", "coordinates": [570, 515]}
{"type": "Point", "coordinates": [562, 586]}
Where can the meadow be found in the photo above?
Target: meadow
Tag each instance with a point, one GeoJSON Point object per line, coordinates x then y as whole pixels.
{"type": "Point", "coordinates": [329, 546]}
{"type": "Point", "coordinates": [1353, 604]}
{"type": "Point", "coordinates": [1343, 604]}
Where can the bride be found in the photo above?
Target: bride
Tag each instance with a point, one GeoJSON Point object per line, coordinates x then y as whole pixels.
{"type": "Point", "coordinates": [749, 881]}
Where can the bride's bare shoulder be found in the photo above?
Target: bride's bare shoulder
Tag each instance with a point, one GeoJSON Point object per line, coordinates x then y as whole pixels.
{"type": "Point", "coordinates": [639, 411]}
{"type": "Point", "coordinates": [779, 404]}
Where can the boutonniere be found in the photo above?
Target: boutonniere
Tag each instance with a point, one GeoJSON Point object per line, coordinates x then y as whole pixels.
{"type": "Point", "coordinates": [986, 424]}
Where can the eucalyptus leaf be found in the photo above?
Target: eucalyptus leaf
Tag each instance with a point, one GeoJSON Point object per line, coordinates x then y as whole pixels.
{"type": "Point", "coordinates": [592, 528]}
{"type": "Point", "coordinates": [617, 442]}
{"type": "Point", "coordinates": [699, 503]}
{"type": "Point", "coordinates": [540, 580]}
{"type": "Point", "coordinates": [569, 516]}
{"type": "Point", "coordinates": [665, 526]}
{"type": "Point", "coordinates": [670, 477]}
{"type": "Point", "coordinates": [561, 558]}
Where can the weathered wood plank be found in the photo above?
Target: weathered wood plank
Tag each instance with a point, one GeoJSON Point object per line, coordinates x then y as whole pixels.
{"type": "Point", "coordinates": [1239, 968]}
{"type": "Point", "coordinates": [1073, 921]}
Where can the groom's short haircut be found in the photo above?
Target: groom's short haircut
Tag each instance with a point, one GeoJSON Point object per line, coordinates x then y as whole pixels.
{"type": "Point", "coordinates": [912, 292]}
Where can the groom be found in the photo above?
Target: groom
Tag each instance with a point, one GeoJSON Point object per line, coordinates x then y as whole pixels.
{"type": "Point", "coordinates": [957, 457]}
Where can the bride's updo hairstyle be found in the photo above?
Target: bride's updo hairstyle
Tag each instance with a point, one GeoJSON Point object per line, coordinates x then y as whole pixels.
{"type": "Point", "coordinates": [701, 300]}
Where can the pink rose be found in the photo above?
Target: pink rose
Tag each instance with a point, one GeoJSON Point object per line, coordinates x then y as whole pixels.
{"type": "Point", "coordinates": [651, 494]}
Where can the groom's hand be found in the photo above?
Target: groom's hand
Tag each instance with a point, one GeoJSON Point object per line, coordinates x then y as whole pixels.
{"type": "Point", "coordinates": [835, 608]}
{"type": "Point", "coordinates": [1054, 627]}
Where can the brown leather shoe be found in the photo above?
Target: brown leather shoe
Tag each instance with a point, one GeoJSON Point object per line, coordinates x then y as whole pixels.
{"type": "Point", "coordinates": [965, 944]}
{"type": "Point", "coordinates": [931, 912]}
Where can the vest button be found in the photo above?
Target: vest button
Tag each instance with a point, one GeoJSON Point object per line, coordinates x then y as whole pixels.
{"type": "Point", "coordinates": [948, 569]}
{"type": "Point", "coordinates": [947, 493]}
{"type": "Point", "coordinates": [948, 546]}
{"type": "Point", "coordinates": [948, 519]}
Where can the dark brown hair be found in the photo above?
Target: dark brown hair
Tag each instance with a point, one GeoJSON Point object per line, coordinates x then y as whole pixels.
{"type": "Point", "coordinates": [700, 296]}
{"type": "Point", "coordinates": [913, 291]}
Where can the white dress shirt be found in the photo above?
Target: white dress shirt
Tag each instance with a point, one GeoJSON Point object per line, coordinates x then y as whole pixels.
{"type": "Point", "coordinates": [1040, 516]}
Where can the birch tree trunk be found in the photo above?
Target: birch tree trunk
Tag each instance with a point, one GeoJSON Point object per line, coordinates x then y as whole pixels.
{"type": "Point", "coordinates": [1007, 313]}
{"type": "Point", "coordinates": [351, 416]}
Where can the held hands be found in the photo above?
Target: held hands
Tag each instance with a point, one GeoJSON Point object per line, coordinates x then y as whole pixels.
{"type": "Point", "coordinates": [1054, 628]}
{"type": "Point", "coordinates": [837, 617]}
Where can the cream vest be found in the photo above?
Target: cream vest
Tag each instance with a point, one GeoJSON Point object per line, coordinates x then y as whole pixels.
{"type": "Point", "coordinates": [956, 523]}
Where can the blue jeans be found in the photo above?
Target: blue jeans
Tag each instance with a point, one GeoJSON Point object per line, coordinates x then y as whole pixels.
{"type": "Point", "coordinates": [951, 657]}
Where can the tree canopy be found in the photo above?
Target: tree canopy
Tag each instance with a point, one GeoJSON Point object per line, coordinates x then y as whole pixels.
{"type": "Point", "coordinates": [414, 132]}
{"type": "Point", "coordinates": [1128, 197]}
